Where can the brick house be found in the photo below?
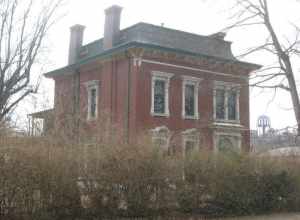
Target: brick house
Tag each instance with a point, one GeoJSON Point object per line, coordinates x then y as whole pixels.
{"type": "Point", "coordinates": [185, 90]}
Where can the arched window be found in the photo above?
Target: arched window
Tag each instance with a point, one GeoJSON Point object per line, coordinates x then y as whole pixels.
{"type": "Point", "coordinates": [190, 141]}
{"type": "Point", "coordinates": [161, 137]}
{"type": "Point", "coordinates": [227, 142]}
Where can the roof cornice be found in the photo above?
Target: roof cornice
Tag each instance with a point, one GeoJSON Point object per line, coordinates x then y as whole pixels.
{"type": "Point", "coordinates": [123, 47]}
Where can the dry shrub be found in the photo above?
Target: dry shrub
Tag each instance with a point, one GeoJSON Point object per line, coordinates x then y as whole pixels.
{"type": "Point", "coordinates": [37, 180]}
{"type": "Point", "coordinates": [61, 176]}
{"type": "Point", "coordinates": [234, 184]}
{"type": "Point", "coordinates": [132, 180]}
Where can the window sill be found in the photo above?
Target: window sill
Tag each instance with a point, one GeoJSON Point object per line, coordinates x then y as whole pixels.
{"type": "Point", "coordinates": [227, 123]}
{"type": "Point", "coordinates": [160, 114]}
{"type": "Point", "coordinates": [190, 117]}
{"type": "Point", "coordinates": [91, 119]}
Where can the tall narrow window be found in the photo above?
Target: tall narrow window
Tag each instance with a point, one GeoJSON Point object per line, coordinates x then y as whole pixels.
{"type": "Point", "coordinates": [189, 100]}
{"type": "Point", "coordinates": [160, 93]}
{"type": "Point", "coordinates": [220, 104]}
{"type": "Point", "coordinates": [93, 102]}
{"type": "Point", "coordinates": [190, 97]}
{"type": "Point", "coordinates": [232, 101]}
{"type": "Point", "coordinates": [92, 93]}
{"type": "Point", "coordinates": [159, 96]}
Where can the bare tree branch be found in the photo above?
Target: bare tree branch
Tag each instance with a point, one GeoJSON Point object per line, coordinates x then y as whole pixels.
{"type": "Point", "coordinates": [22, 31]}
{"type": "Point", "coordinates": [257, 12]}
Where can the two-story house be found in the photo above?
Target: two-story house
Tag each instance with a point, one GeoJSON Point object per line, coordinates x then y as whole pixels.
{"type": "Point", "coordinates": [186, 90]}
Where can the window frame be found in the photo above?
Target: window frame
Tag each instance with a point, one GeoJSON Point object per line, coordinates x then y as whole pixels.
{"type": "Point", "coordinates": [161, 133]}
{"type": "Point", "coordinates": [227, 87]}
{"type": "Point", "coordinates": [162, 76]}
{"type": "Point", "coordinates": [90, 85]}
{"type": "Point", "coordinates": [194, 81]}
{"type": "Point", "coordinates": [190, 135]}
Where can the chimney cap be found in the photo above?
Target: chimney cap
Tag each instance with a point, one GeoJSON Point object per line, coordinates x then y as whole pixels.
{"type": "Point", "coordinates": [219, 35]}
{"type": "Point", "coordinates": [77, 27]}
{"type": "Point", "coordinates": [113, 8]}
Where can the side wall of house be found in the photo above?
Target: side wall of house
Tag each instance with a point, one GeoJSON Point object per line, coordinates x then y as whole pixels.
{"type": "Point", "coordinates": [175, 122]}
{"type": "Point", "coordinates": [111, 76]}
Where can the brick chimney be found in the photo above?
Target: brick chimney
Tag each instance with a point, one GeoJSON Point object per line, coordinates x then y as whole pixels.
{"type": "Point", "coordinates": [76, 37]}
{"type": "Point", "coordinates": [112, 26]}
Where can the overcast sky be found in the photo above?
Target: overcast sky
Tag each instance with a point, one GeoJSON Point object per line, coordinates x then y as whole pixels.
{"type": "Point", "coordinates": [196, 16]}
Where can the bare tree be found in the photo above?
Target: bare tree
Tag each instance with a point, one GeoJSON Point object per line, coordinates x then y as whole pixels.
{"type": "Point", "coordinates": [284, 51]}
{"type": "Point", "coordinates": [23, 27]}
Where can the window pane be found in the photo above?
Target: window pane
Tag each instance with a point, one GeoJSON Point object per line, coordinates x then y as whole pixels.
{"type": "Point", "coordinates": [220, 102]}
{"type": "Point", "coordinates": [189, 100]}
{"type": "Point", "coordinates": [161, 142]}
{"type": "Point", "coordinates": [159, 96]}
{"type": "Point", "coordinates": [189, 146]}
{"type": "Point", "coordinates": [232, 105]}
{"type": "Point", "coordinates": [93, 102]}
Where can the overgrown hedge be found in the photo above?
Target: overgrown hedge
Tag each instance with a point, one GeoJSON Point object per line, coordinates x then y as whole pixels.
{"type": "Point", "coordinates": [53, 180]}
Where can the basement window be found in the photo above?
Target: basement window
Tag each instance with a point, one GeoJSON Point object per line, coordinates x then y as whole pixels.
{"type": "Point", "coordinates": [190, 140]}
{"type": "Point", "coordinates": [161, 137]}
{"type": "Point", "coordinates": [92, 92]}
{"type": "Point", "coordinates": [227, 142]}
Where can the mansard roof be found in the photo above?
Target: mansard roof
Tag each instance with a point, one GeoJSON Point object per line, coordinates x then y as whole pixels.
{"type": "Point", "coordinates": [158, 37]}
{"type": "Point", "coordinates": [169, 38]}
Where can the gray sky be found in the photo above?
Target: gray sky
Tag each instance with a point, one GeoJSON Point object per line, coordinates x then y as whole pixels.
{"type": "Point", "coordinates": [196, 16]}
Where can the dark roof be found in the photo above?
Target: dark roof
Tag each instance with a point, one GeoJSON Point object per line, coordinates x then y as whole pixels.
{"type": "Point", "coordinates": [159, 37]}
{"type": "Point", "coordinates": [42, 114]}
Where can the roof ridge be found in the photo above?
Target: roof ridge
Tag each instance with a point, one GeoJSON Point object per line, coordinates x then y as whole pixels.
{"type": "Point", "coordinates": [93, 42]}
{"type": "Point", "coordinates": [175, 30]}
{"type": "Point", "coordinates": [163, 28]}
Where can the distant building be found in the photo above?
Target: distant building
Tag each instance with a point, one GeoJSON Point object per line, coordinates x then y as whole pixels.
{"type": "Point", "coordinates": [266, 138]}
{"type": "Point", "coordinates": [263, 124]}
{"type": "Point", "coordinates": [185, 89]}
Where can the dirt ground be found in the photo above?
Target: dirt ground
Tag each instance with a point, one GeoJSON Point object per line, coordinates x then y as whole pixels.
{"type": "Point", "coordinates": [295, 216]}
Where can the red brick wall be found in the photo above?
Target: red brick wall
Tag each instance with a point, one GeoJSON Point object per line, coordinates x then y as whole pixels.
{"type": "Point", "coordinates": [125, 95]}
{"type": "Point", "coordinates": [175, 122]}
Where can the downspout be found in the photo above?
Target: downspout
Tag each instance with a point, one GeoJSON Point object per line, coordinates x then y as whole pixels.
{"type": "Point", "coordinates": [77, 104]}
{"type": "Point", "coordinates": [111, 90]}
{"type": "Point", "coordinates": [128, 99]}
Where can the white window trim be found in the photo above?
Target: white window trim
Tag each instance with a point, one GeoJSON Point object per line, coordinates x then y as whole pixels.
{"type": "Point", "coordinates": [94, 84]}
{"type": "Point", "coordinates": [156, 75]}
{"type": "Point", "coordinates": [226, 86]}
{"type": "Point", "coordinates": [156, 134]}
{"type": "Point", "coordinates": [190, 135]}
{"type": "Point", "coordinates": [216, 137]}
{"type": "Point", "coordinates": [188, 80]}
